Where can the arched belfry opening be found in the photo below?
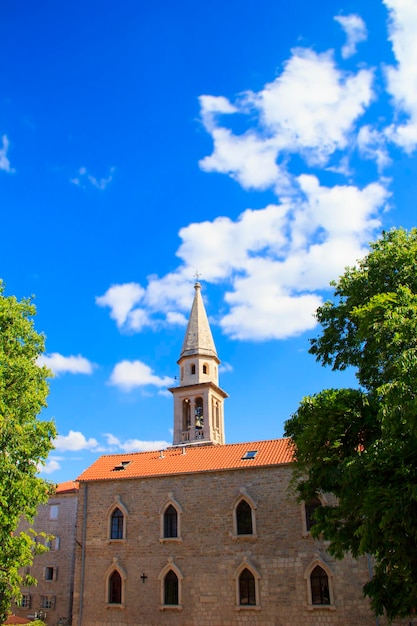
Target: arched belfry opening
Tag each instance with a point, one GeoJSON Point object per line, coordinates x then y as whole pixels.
{"type": "Point", "coordinates": [198, 400]}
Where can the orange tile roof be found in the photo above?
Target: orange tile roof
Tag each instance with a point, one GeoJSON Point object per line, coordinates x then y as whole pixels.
{"type": "Point", "coordinates": [189, 460]}
{"type": "Point", "coordinates": [14, 619]}
{"type": "Point", "coordinates": [67, 487]}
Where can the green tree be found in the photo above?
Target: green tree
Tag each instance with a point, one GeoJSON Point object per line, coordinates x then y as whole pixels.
{"type": "Point", "coordinates": [361, 444]}
{"type": "Point", "coordinates": [25, 440]}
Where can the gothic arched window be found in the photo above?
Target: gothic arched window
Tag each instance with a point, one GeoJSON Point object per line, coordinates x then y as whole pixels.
{"type": "Point", "coordinates": [115, 588]}
{"type": "Point", "coordinates": [116, 524]}
{"type": "Point", "coordinates": [171, 588]}
{"type": "Point", "coordinates": [319, 582]}
{"type": "Point", "coordinates": [193, 368]}
{"type": "Point", "coordinates": [247, 589]}
{"type": "Point", "coordinates": [310, 508]}
{"type": "Point", "coordinates": [244, 518]}
{"type": "Point", "coordinates": [170, 522]}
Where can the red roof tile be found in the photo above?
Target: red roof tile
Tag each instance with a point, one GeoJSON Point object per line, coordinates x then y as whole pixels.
{"type": "Point", "coordinates": [189, 459]}
{"type": "Point", "coordinates": [14, 619]}
{"type": "Point", "coordinates": [67, 487]}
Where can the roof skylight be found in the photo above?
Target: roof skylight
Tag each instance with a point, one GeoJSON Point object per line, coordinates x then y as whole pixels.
{"type": "Point", "coordinates": [250, 454]}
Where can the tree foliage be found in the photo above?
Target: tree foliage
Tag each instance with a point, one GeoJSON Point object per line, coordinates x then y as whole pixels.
{"type": "Point", "coordinates": [361, 444]}
{"type": "Point", "coordinates": [25, 440]}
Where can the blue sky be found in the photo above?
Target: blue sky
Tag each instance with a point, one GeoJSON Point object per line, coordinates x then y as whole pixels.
{"type": "Point", "coordinates": [261, 144]}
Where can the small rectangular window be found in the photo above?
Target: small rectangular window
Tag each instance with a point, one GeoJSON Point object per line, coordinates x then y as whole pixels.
{"type": "Point", "coordinates": [52, 543]}
{"type": "Point", "coordinates": [26, 601]}
{"type": "Point", "coordinates": [49, 573]}
{"type": "Point", "coordinates": [48, 602]}
{"type": "Point", "coordinates": [53, 511]}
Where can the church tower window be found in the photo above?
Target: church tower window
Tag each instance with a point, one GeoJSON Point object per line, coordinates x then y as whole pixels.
{"type": "Point", "coordinates": [199, 416]}
{"type": "Point", "coordinates": [186, 414]}
{"type": "Point", "coordinates": [193, 368]}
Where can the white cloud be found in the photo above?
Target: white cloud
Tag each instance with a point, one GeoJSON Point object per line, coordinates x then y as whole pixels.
{"type": "Point", "coordinates": [313, 105]}
{"type": "Point", "coordinates": [60, 364]}
{"type": "Point", "coordinates": [223, 246]}
{"type": "Point", "coordinates": [51, 466]}
{"type": "Point", "coordinates": [248, 159]}
{"type": "Point", "coordinates": [82, 177]}
{"type": "Point", "coordinates": [174, 318]}
{"type": "Point", "coordinates": [130, 374]}
{"type": "Point", "coordinates": [355, 30]}
{"type": "Point", "coordinates": [372, 145]}
{"type": "Point", "coordinates": [402, 79]}
{"type": "Point", "coordinates": [273, 259]}
{"type": "Point", "coordinates": [4, 161]}
{"type": "Point", "coordinates": [303, 128]}
{"type": "Point", "coordinates": [135, 445]}
{"type": "Point", "coordinates": [121, 299]}
{"type": "Point", "coordinates": [75, 440]}
{"type": "Point", "coordinates": [214, 104]}
{"type": "Point", "coordinates": [310, 109]}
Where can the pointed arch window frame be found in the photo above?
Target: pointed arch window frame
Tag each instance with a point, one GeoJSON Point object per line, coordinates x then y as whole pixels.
{"type": "Point", "coordinates": [171, 501]}
{"type": "Point", "coordinates": [306, 529]}
{"type": "Point", "coordinates": [307, 576]}
{"type": "Point", "coordinates": [117, 504]}
{"type": "Point", "coordinates": [115, 567]}
{"type": "Point", "coordinates": [243, 495]}
{"type": "Point", "coordinates": [246, 565]}
{"type": "Point", "coordinates": [170, 567]}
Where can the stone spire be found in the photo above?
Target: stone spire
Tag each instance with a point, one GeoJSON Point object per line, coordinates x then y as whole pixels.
{"type": "Point", "coordinates": [198, 339]}
{"type": "Point", "coordinates": [198, 400]}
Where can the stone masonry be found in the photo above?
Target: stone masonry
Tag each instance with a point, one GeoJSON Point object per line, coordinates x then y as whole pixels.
{"type": "Point", "coordinates": [54, 570]}
{"type": "Point", "coordinates": [208, 555]}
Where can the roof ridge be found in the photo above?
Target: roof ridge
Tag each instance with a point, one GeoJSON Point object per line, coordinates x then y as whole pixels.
{"type": "Point", "coordinates": [196, 447]}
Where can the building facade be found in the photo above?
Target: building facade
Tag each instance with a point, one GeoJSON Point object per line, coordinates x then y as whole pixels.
{"type": "Point", "coordinates": [200, 534]}
{"type": "Point", "coordinates": [52, 597]}
{"type": "Point", "coordinates": [204, 533]}
{"type": "Point", "coordinates": [220, 544]}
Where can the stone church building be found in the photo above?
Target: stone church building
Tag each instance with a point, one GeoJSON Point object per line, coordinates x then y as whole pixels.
{"type": "Point", "coordinates": [204, 533]}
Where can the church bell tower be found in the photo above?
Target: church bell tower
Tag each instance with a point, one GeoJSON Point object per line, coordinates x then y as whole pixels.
{"type": "Point", "coordinates": [198, 400]}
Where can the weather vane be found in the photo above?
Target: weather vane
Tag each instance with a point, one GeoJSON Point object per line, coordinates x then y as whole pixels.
{"type": "Point", "coordinates": [197, 275]}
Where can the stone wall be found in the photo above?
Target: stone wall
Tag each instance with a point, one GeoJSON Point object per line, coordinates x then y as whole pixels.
{"type": "Point", "coordinates": [60, 558]}
{"type": "Point", "coordinates": [207, 555]}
